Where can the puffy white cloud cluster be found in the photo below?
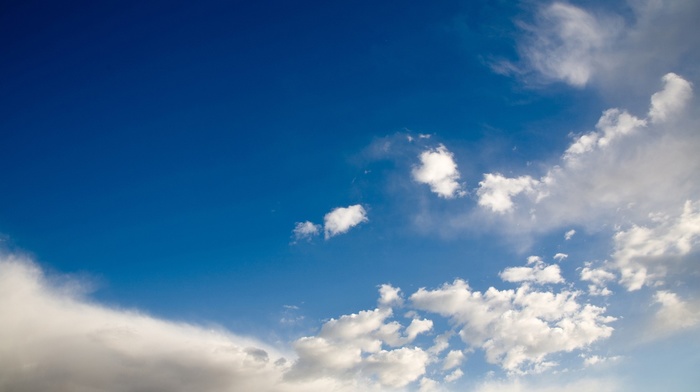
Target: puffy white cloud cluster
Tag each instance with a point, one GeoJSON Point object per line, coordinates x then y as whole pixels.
{"type": "Point", "coordinates": [495, 190]}
{"type": "Point", "coordinates": [54, 339]}
{"type": "Point", "coordinates": [643, 254]}
{"type": "Point", "coordinates": [517, 328]}
{"type": "Point", "coordinates": [338, 221]}
{"type": "Point", "coordinates": [626, 165]}
{"type": "Point", "coordinates": [367, 345]}
{"type": "Point", "coordinates": [306, 230]}
{"type": "Point", "coordinates": [598, 278]}
{"type": "Point", "coordinates": [439, 170]}
{"type": "Point", "coordinates": [342, 219]}
{"type": "Point", "coordinates": [539, 273]}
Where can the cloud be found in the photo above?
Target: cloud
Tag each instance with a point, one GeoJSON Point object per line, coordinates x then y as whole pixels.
{"type": "Point", "coordinates": [439, 170]}
{"type": "Point", "coordinates": [518, 385]}
{"type": "Point", "coordinates": [364, 345]}
{"type": "Point", "coordinates": [618, 173]}
{"type": "Point", "coordinates": [516, 328]}
{"type": "Point", "coordinates": [563, 42]}
{"type": "Point", "coordinates": [644, 254]}
{"type": "Point", "coordinates": [674, 314]}
{"type": "Point", "coordinates": [453, 359]}
{"type": "Point", "coordinates": [306, 230]}
{"type": "Point", "coordinates": [495, 191]}
{"type": "Point", "coordinates": [52, 339]}
{"type": "Point", "coordinates": [672, 99]}
{"type": "Point", "coordinates": [342, 219]}
{"type": "Point", "coordinates": [560, 256]}
{"type": "Point", "coordinates": [540, 273]}
{"type": "Point", "coordinates": [569, 234]}
{"type": "Point", "coordinates": [567, 43]}
{"type": "Point", "coordinates": [599, 277]}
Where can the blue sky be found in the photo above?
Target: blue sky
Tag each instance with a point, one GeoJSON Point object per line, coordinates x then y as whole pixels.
{"type": "Point", "coordinates": [267, 196]}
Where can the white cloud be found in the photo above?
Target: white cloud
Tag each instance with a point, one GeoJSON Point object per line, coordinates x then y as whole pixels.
{"type": "Point", "coordinates": [613, 175]}
{"type": "Point", "coordinates": [454, 376]}
{"type": "Point", "coordinates": [594, 360]}
{"type": "Point", "coordinates": [342, 219]}
{"type": "Point", "coordinates": [51, 339]}
{"type": "Point", "coordinates": [439, 170]}
{"type": "Point", "coordinates": [516, 328]}
{"type": "Point", "coordinates": [560, 256]}
{"type": "Point", "coordinates": [567, 43]}
{"type": "Point", "coordinates": [672, 99]}
{"type": "Point", "coordinates": [390, 295]}
{"type": "Point", "coordinates": [569, 234]}
{"type": "Point", "coordinates": [518, 385]}
{"type": "Point", "coordinates": [539, 273]}
{"type": "Point", "coordinates": [306, 230]}
{"type": "Point", "coordinates": [495, 191]}
{"type": "Point", "coordinates": [599, 278]}
{"type": "Point", "coordinates": [644, 254]}
{"type": "Point", "coordinates": [453, 359]}
{"type": "Point", "coordinates": [674, 314]}
{"type": "Point", "coordinates": [570, 44]}
{"type": "Point", "coordinates": [365, 345]}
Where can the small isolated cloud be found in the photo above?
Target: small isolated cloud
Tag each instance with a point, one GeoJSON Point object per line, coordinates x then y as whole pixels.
{"type": "Point", "coordinates": [560, 256]}
{"type": "Point", "coordinates": [540, 273]}
{"type": "Point", "coordinates": [342, 219]}
{"type": "Point", "coordinates": [439, 170]}
{"type": "Point", "coordinates": [569, 234]}
{"type": "Point", "coordinates": [306, 230]}
{"type": "Point", "coordinates": [596, 360]}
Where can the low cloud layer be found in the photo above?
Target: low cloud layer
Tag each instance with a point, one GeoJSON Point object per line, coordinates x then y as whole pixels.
{"type": "Point", "coordinates": [57, 340]}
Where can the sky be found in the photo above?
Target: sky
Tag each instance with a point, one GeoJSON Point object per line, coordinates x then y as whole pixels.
{"type": "Point", "coordinates": [350, 196]}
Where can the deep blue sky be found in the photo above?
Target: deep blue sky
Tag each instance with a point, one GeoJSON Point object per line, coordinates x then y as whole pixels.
{"type": "Point", "coordinates": [168, 147]}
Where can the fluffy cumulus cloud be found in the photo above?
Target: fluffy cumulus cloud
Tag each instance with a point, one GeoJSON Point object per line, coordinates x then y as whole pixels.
{"type": "Point", "coordinates": [85, 346]}
{"type": "Point", "coordinates": [598, 278]}
{"type": "Point", "coordinates": [339, 221]}
{"type": "Point", "coordinates": [306, 230]}
{"type": "Point", "coordinates": [438, 169]}
{"type": "Point", "coordinates": [619, 172]}
{"type": "Point", "coordinates": [644, 254]}
{"type": "Point", "coordinates": [495, 191]}
{"type": "Point", "coordinates": [540, 272]}
{"type": "Point", "coordinates": [342, 219]}
{"type": "Point", "coordinates": [517, 329]}
{"type": "Point", "coordinates": [365, 344]}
